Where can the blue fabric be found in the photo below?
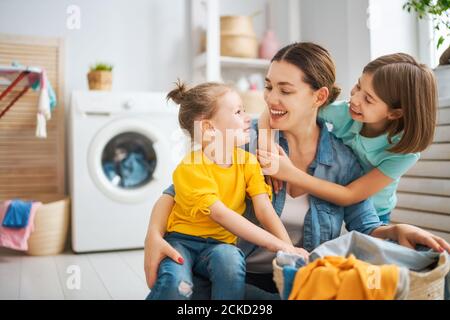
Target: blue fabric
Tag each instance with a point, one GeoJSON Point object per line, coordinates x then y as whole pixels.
{"type": "Point", "coordinates": [374, 251]}
{"type": "Point", "coordinates": [223, 264]}
{"type": "Point", "coordinates": [386, 218]}
{"type": "Point", "coordinates": [289, 273]}
{"type": "Point", "coordinates": [134, 170]}
{"type": "Point", "coordinates": [202, 291]}
{"type": "Point", "coordinates": [17, 215]}
{"type": "Point", "coordinates": [131, 171]}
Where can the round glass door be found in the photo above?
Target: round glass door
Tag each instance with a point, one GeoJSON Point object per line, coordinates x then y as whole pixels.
{"type": "Point", "coordinates": [129, 160]}
{"type": "Point", "coordinates": [124, 160]}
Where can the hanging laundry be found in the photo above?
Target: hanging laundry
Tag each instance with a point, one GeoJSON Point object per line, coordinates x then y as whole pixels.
{"type": "Point", "coordinates": [36, 78]}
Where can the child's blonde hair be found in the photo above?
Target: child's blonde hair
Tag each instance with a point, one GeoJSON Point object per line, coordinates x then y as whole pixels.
{"type": "Point", "coordinates": [403, 83]}
{"type": "Point", "coordinates": [197, 103]}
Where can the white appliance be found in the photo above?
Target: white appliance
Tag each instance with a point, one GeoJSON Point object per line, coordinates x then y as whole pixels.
{"type": "Point", "coordinates": [123, 150]}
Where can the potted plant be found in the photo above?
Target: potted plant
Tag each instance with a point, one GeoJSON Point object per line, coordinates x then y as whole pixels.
{"type": "Point", "coordinates": [439, 12]}
{"type": "Point", "coordinates": [100, 76]}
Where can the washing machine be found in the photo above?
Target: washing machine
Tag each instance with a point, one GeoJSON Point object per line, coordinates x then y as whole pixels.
{"type": "Point", "coordinates": [123, 149]}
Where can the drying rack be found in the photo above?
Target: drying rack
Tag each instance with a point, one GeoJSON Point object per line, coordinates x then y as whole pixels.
{"type": "Point", "coordinates": [20, 77]}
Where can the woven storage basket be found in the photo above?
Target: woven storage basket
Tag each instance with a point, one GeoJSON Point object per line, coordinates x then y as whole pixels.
{"type": "Point", "coordinates": [51, 224]}
{"type": "Point", "coordinates": [422, 285]}
{"type": "Point", "coordinates": [237, 37]}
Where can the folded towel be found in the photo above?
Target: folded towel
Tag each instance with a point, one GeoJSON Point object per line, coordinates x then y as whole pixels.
{"type": "Point", "coordinates": [17, 215]}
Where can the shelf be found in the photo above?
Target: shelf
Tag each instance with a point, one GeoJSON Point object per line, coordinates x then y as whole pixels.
{"type": "Point", "coordinates": [233, 62]}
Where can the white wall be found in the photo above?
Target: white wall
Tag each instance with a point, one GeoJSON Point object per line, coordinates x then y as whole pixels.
{"type": "Point", "coordinates": [145, 40]}
{"type": "Point", "coordinates": [392, 29]}
{"type": "Point", "coordinates": [355, 34]}
{"type": "Point", "coordinates": [339, 26]}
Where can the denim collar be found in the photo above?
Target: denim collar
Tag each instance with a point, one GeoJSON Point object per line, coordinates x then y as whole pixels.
{"type": "Point", "coordinates": [325, 151]}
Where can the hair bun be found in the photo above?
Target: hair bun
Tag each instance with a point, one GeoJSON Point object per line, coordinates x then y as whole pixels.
{"type": "Point", "coordinates": [334, 94]}
{"type": "Point", "coordinates": [178, 94]}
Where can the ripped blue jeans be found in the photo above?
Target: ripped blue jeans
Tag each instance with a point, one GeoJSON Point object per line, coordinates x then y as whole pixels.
{"type": "Point", "coordinates": [222, 264]}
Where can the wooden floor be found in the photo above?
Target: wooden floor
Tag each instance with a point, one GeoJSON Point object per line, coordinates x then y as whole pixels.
{"type": "Point", "coordinates": [105, 276]}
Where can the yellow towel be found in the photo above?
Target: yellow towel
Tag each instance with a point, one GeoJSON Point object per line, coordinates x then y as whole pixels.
{"type": "Point", "coordinates": [340, 278]}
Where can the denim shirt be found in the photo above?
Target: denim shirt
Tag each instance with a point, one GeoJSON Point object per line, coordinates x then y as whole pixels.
{"type": "Point", "coordinates": [334, 162]}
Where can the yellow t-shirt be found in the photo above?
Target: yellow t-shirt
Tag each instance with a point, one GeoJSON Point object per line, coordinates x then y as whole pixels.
{"type": "Point", "coordinates": [199, 183]}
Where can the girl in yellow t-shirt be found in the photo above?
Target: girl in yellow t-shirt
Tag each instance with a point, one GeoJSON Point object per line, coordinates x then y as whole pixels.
{"type": "Point", "coordinates": [211, 185]}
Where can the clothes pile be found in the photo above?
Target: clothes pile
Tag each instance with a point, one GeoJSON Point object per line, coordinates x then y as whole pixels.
{"type": "Point", "coordinates": [17, 223]}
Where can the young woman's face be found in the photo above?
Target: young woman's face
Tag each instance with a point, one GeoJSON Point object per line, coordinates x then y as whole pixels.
{"type": "Point", "coordinates": [231, 120]}
{"type": "Point", "coordinates": [288, 97]}
{"type": "Point", "coordinates": [365, 105]}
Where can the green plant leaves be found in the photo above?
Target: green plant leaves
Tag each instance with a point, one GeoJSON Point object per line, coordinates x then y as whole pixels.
{"type": "Point", "coordinates": [100, 66]}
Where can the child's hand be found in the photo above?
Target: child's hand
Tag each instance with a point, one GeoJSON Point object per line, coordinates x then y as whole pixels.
{"type": "Point", "coordinates": [299, 251]}
{"type": "Point", "coordinates": [302, 252]}
{"type": "Point", "coordinates": [276, 184]}
{"type": "Point", "coordinates": [278, 165]}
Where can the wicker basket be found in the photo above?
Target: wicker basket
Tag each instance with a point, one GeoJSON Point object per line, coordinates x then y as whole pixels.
{"type": "Point", "coordinates": [241, 46]}
{"type": "Point", "coordinates": [422, 285]}
{"type": "Point", "coordinates": [237, 37]}
{"type": "Point", "coordinates": [51, 224]}
{"type": "Point", "coordinates": [237, 25]}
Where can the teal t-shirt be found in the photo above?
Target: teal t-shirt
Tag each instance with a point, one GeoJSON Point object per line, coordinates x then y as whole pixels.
{"type": "Point", "coordinates": [371, 152]}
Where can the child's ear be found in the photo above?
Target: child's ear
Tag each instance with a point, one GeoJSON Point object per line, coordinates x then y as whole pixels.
{"type": "Point", "coordinates": [395, 114]}
{"type": "Point", "coordinates": [322, 96]}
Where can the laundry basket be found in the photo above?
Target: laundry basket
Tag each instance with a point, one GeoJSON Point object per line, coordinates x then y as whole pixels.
{"type": "Point", "coordinates": [422, 285]}
{"type": "Point", "coordinates": [51, 224]}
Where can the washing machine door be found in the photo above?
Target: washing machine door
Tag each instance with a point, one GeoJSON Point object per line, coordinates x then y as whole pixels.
{"type": "Point", "coordinates": [125, 160]}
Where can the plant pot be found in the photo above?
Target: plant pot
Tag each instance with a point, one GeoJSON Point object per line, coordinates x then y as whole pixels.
{"type": "Point", "coordinates": [100, 80]}
{"type": "Point", "coordinates": [445, 57]}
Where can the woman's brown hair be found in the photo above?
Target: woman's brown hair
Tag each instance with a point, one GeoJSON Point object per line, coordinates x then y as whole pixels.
{"type": "Point", "coordinates": [197, 103]}
{"type": "Point", "coordinates": [316, 64]}
{"type": "Point", "coordinates": [403, 83]}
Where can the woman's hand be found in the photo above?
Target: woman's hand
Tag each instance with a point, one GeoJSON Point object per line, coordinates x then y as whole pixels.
{"type": "Point", "coordinates": [156, 249]}
{"type": "Point", "coordinates": [278, 165]}
{"type": "Point", "coordinates": [409, 236]}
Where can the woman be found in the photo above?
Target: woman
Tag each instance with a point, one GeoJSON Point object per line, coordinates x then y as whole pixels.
{"type": "Point", "coordinates": [299, 88]}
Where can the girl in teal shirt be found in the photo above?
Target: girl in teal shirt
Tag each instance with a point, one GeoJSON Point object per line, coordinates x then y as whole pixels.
{"type": "Point", "coordinates": [389, 119]}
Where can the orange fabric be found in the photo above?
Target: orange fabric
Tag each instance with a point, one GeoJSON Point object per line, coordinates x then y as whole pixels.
{"type": "Point", "coordinates": [340, 278]}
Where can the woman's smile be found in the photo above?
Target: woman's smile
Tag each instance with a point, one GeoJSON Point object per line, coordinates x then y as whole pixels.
{"type": "Point", "coordinates": [276, 114]}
